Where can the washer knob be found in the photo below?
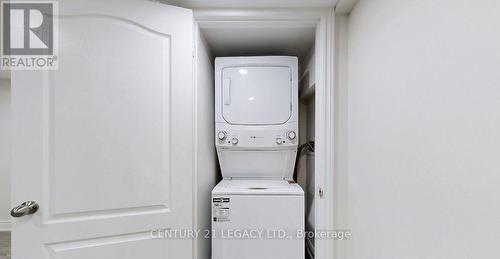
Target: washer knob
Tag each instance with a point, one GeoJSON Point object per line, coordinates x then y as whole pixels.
{"type": "Point", "coordinates": [292, 135]}
{"type": "Point", "coordinates": [279, 141]}
{"type": "Point", "coordinates": [234, 141]}
{"type": "Point", "coordinates": [221, 135]}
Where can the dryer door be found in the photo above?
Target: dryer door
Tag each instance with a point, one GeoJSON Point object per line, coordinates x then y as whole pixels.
{"type": "Point", "coordinates": [256, 95]}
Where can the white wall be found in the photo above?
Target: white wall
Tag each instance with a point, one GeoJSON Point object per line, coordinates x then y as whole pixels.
{"type": "Point", "coordinates": [308, 159]}
{"type": "Point", "coordinates": [206, 160]}
{"type": "Point", "coordinates": [424, 129]}
{"type": "Point", "coordinates": [305, 167]}
{"type": "Point", "coordinates": [341, 217]}
{"type": "Point", "coordinates": [4, 154]}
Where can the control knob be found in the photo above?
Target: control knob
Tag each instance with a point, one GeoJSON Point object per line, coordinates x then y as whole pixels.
{"type": "Point", "coordinates": [292, 135]}
{"type": "Point", "coordinates": [234, 141]}
{"type": "Point", "coordinates": [221, 135]}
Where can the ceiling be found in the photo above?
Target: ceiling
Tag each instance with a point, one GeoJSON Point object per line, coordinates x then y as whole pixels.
{"type": "Point", "coordinates": [259, 41]}
{"type": "Point", "coordinates": [251, 3]}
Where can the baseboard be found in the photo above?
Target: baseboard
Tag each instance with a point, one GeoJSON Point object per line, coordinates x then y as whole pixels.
{"type": "Point", "coordinates": [5, 226]}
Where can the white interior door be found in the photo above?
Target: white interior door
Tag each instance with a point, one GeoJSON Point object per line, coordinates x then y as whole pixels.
{"type": "Point", "coordinates": [104, 144]}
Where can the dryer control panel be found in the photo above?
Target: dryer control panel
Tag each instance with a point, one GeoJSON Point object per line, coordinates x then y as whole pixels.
{"type": "Point", "coordinates": [256, 138]}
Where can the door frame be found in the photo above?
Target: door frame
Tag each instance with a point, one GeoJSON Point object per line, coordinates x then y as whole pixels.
{"type": "Point", "coordinates": [323, 21]}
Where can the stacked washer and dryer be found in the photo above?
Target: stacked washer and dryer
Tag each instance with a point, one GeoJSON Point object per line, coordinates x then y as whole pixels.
{"type": "Point", "coordinates": [257, 209]}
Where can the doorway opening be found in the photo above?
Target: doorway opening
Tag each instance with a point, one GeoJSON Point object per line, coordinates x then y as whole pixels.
{"type": "Point", "coordinates": [219, 35]}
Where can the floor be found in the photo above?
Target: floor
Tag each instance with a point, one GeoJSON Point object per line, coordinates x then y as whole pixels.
{"type": "Point", "coordinates": [4, 245]}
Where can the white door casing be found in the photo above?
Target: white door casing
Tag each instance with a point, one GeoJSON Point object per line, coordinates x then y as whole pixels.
{"type": "Point", "coordinates": [105, 144]}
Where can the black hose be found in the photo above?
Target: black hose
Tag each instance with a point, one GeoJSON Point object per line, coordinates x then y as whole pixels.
{"type": "Point", "coordinates": [309, 146]}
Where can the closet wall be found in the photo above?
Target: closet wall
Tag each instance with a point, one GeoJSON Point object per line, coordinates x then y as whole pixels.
{"type": "Point", "coordinates": [5, 168]}
{"type": "Point", "coordinates": [206, 159]}
{"type": "Point", "coordinates": [307, 108]}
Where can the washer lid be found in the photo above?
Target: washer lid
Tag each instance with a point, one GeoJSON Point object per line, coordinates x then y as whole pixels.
{"type": "Point", "coordinates": [258, 187]}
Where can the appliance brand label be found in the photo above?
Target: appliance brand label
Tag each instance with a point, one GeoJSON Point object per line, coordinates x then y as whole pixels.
{"type": "Point", "coordinates": [220, 209]}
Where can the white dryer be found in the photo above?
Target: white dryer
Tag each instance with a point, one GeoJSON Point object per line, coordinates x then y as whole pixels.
{"type": "Point", "coordinates": [256, 116]}
{"type": "Point", "coordinates": [256, 135]}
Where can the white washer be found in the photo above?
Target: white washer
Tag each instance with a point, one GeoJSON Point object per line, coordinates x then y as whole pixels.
{"type": "Point", "coordinates": [257, 219]}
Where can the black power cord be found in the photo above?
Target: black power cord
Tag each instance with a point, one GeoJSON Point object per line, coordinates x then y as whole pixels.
{"type": "Point", "coordinates": [308, 146]}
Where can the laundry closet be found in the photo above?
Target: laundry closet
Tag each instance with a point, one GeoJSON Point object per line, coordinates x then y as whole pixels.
{"type": "Point", "coordinates": [256, 42]}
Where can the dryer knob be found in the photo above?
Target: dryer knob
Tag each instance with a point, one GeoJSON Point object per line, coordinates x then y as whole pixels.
{"type": "Point", "coordinates": [292, 135]}
{"type": "Point", "coordinates": [279, 141]}
{"type": "Point", "coordinates": [221, 135]}
{"type": "Point", "coordinates": [234, 141]}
